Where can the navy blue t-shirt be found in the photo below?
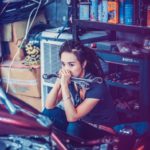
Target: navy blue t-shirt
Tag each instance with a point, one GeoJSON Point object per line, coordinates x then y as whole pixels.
{"type": "Point", "coordinates": [104, 112]}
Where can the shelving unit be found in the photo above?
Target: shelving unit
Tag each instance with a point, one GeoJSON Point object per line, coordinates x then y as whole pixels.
{"type": "Point", "coordinates": [141, 61]}
{"type": "Point", "coordinates": [112, 27]}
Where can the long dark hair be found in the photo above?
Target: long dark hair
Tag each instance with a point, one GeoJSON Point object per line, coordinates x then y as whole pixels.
{"type": "Point", "coordinates": [83, 54]}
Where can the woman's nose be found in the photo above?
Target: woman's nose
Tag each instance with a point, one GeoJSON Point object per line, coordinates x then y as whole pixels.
{"type": "Point", "coordinates": [67, 68]}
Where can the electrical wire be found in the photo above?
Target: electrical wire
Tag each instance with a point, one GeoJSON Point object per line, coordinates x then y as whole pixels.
{"type": "Point", "coordinates": [20, 10]}
{"type": "Point", "coordinates": [26, 33]}
{"type": "Point", "coordinates": [4, 8]}
{"type": "Point", "coordinates": [29, 24]}
{"type": "Point", "coordinates": [35, 1]}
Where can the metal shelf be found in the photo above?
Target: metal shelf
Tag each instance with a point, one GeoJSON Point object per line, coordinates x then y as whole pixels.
{"type": "Point", "coordinates": [121, 85]}
{"type": "Point", "coordinates": [143, 61]}
{"type": "Point", "coordinates": [112, 27]}
{"type": "Point", "coordinates": [49, 84]}
{"type": "Point", "coordinates": [124, 59]}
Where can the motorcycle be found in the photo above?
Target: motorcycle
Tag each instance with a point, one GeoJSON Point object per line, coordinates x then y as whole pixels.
{"type": "Point", "coordinates": [21, 126]}
{"type": "Point", "coordinates": [24, 128]}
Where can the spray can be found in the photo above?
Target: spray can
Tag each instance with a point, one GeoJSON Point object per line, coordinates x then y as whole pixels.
{"type": "Point", "coordinates": [94, 10]}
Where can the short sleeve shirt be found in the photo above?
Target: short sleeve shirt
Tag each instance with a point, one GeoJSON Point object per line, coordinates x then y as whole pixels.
{"type": "Point", "coordinates": [104, 112]}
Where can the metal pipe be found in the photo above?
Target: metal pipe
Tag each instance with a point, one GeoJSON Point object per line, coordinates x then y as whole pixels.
{"type": "Point", "coordinates": [9, 105]}
{"type": "Point", "coordinates": [98, 80]}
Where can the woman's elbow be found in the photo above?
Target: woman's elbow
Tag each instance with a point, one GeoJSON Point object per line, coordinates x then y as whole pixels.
{"type": "Point", "coordinates": [72, 119]}
{"type": "Point", "coordinates": [49, 106]}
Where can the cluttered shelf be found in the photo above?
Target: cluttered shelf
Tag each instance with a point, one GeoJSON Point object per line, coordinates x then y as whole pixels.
{"type": "Point", "coordinates": [126, 85]}
{"type": "Point", "coordinates": [112, 27]}
{"type": "Point", "coordinates": [122, 58]}
{"type": "Point", "coordinates": [127, 51]}
{"type": "Point", "coordinates": [123, 79]}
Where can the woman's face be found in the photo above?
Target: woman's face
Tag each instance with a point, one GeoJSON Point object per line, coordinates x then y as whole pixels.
{"type": "Point", "coordinates": [70, 62]}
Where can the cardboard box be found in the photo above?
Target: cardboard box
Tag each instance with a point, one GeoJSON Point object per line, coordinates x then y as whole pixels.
{"type": "Point", "coordinates": [6, 32]}
{"type": "Point", "coordinates": [14, 34]}
{"type": "Point", "coordinates": [16, 51]}
{"type": "Point", "coordinates": [32, 101]}
{"type": "Point", "coordinates": [21, 79]}
{"type": "Point", "coordinates": [15, 31]}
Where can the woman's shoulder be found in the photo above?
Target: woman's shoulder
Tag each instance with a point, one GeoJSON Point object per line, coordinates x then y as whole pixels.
{"type": "Point", "coordinates": [98, 84]}
{"type": "Point", "coordinates": [96, 90]}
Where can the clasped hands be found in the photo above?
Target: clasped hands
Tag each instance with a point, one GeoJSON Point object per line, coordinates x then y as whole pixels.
{"type": "Point", "coordinates": [64, 77]}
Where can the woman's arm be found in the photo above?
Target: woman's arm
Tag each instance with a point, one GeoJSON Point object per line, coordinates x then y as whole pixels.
{"type": "Point", "coordinates": [72, 113]}
{"type": "Point", "coordinates": [54, 96]}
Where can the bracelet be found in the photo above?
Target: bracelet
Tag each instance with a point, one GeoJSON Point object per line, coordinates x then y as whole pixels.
{"type": "Point", "coordinates": [67, 97]}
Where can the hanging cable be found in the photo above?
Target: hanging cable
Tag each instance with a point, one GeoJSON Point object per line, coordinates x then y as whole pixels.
{"type": "Point", "coordinates": [20, 10]}
{"type": "Point", "coordinates": [26, 33]}
{"type": "Point", "coordinates": [4, 8]}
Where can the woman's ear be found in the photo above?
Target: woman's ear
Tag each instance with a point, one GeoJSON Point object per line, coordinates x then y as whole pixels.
{"type": "Point", "coordinates": [84, 64]}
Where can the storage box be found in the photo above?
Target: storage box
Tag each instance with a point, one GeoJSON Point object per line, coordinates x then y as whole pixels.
{"type": "Point", "coordinates": [14, 48]}
{"type": "Point", "coordinates": [21, 79]}
{"type": "Point", "coordinates": [15, 31]}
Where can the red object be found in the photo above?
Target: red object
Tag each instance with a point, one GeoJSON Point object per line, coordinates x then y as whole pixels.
{"type": "Point", "coordinates": [20, 123]}
{"type": "Point", "coordinates": [93, 45]}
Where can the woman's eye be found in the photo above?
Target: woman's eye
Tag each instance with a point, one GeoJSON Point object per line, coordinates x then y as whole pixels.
{"type": "Point", "coordinates": [71, 65]}
{"type": "Point", "coordinates": [62, 64]}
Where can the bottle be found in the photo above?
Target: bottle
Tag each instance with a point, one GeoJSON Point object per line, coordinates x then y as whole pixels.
{"type": "Point", "coordinates": [104, 11]}
{"type": "Point", "coordinates": [121, 11]}
{"type": "Point", "coordinates": [148, 16]}
{"type": "Point", "coordinates": [129, 12]}
{"type": "Point", "coordinates": [94, 10]}
{"type": "Point", "coordinates": [100, 11]}
{"type": "Point", "coordinates": [84, 10]}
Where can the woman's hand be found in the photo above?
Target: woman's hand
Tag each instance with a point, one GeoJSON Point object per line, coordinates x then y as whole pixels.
{"type": "Point", "coordinates": [65, 76]}
{"type": "Point", "coordinates": [57, 83]}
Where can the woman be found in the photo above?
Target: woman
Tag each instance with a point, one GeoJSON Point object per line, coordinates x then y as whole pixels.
{"type": "Point", "coordinates": [91, 104]}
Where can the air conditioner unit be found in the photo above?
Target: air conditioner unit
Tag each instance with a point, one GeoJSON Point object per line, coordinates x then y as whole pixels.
{"type": "Point", "coordinates": [50, 58]}
{"type": "Point", "coordinates": [50, 62]}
